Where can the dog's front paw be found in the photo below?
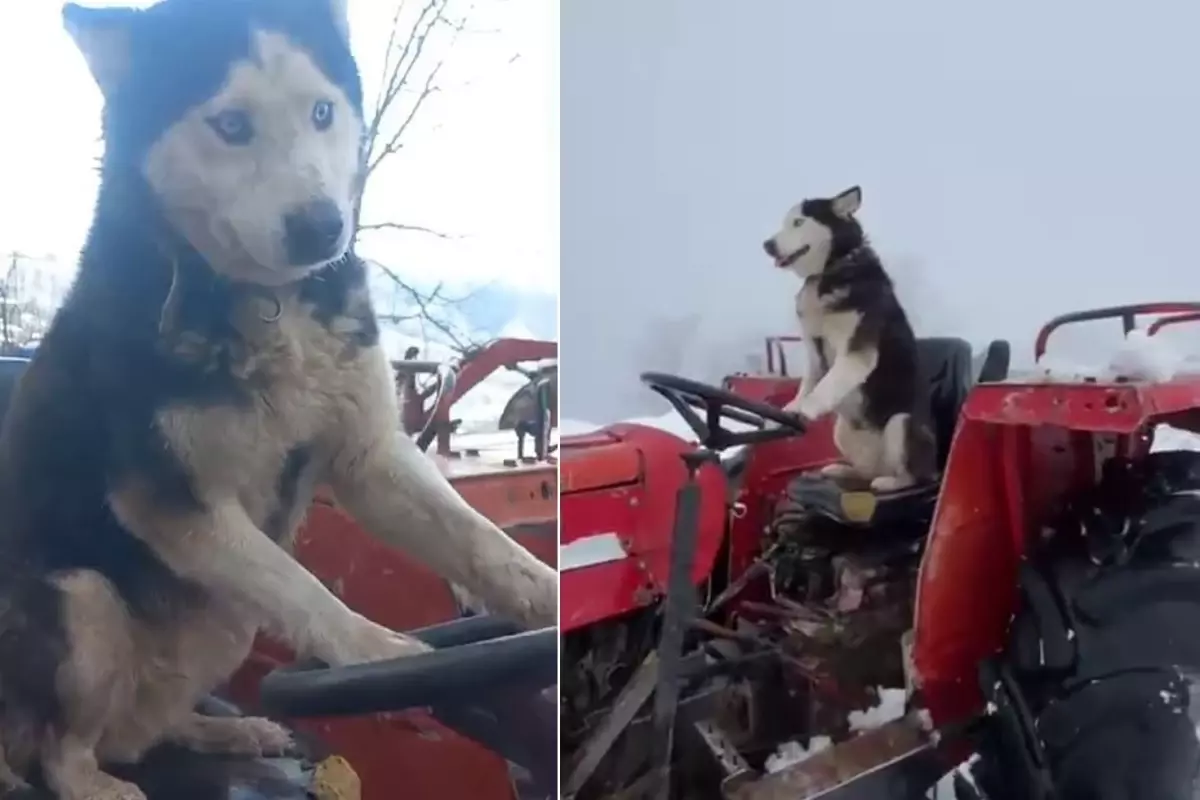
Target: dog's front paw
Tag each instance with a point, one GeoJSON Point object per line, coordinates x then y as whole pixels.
{"type": "Point", "coordinates": [249, 737]}
{"type": "Point", "coordinates": [368, 641]}
{"type": "Point", "coordinates": [808, 409]}
{"type": "Point", "coordinates": [792, 409]}
{"type": "Point", "coordinates": [262, 737]}
{"type": "Point", "coordinates": [890, 483]}
{"type": "Point", "coordinates": [838, 470]}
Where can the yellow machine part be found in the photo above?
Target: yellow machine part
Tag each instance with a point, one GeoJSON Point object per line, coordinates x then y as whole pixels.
{"type": "Point", "coordinates": [335, 779]}
{"type": "Point", "coordinates": [858, 506]}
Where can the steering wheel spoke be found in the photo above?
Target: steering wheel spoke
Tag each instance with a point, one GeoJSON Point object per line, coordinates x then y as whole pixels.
{"type": "Point", "coordinates": [688, 397]}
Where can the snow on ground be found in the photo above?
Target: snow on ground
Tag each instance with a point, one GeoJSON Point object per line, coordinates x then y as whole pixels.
{"type": "Point", "coordinates": [481, 407]}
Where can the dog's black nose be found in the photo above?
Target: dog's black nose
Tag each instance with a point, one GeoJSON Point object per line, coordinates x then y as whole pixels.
{"type": "Point", "coordinates": [771, 248]}
{"type": "Point", "coordinates": [312, 233]}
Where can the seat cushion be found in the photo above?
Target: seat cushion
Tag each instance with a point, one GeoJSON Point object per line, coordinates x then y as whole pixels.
{"type": "Point", "coordinates": [857, 505]}
{"type": "Point", "coordinates": [993, 363]}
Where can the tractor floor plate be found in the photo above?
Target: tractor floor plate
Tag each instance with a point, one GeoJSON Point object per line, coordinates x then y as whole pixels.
{"type": "Point", "coordinates": [896, 760]}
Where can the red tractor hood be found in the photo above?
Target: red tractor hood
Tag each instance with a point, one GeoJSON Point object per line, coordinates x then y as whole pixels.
{"type": "Point", "coordinates": [617, 489]}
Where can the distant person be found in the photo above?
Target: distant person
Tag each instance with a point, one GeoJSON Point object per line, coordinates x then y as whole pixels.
{"type": "Point", "coordinates": [536, 421]}
{"type": "Point", "coordinates": [412, 401]}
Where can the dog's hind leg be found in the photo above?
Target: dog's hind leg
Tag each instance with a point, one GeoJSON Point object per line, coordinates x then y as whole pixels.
{"type": "Point", "coordinates": [95, 683]}
{"type": "Point", "coordinates": [843, 440]}
{"type": "Point", "coordinates": [907, 456]}
{"type": "Point", "coordinates": [859, 448]}
{"type": "Point", "coordinates": [73, 774]}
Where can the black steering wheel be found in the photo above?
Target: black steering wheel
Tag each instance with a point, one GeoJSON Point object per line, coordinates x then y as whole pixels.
{"type": "Point", "coordinates": [688, 396]}
{"type": "Point", "coordinates": [486, 679]}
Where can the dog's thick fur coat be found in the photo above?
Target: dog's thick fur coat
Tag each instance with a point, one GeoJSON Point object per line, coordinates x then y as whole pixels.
{"type": "Point", "coordinates": [216, 358]}
{"type": "Point", "coordinates": [861, 352]}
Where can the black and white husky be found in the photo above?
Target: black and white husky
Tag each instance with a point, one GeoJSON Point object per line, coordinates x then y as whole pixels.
{"type": "Point", "coordinates": [217, 358]}
{"type": "Point", "coordinates": [861, 352]}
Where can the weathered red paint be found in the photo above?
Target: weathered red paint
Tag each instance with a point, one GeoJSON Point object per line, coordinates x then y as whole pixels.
{"type": "Point", "coordinates": [623, 480]}
{"type": "Point", "coordinates": [1019, 449]}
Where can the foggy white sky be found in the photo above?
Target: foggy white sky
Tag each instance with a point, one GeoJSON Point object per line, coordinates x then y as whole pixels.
{"type": "Point", "coordinates": [1018, 160]}
{"type": "Point", "coordinates": [481, 161]}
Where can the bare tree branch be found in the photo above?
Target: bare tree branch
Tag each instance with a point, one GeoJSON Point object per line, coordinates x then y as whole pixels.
{"type": "Point", "coordinates": [431, 18]}
{"type": "Point", "coordinates": [423, 34]}
{"type": "Point", "coordinates": [430, 310]}
{"type": "Point", "coordinates": [400, 226]}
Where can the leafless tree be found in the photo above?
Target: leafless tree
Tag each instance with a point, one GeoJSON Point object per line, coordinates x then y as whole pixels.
{"type": "Point", "coordinates": [419, 42]}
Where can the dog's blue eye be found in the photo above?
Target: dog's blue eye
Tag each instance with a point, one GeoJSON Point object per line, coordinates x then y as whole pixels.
{"type": "Point", "coordinates": [233, 126]}
{"type": "Point", "coordinates": [322, 114]}
{"type": "Point", "coordinates": [797, 223]}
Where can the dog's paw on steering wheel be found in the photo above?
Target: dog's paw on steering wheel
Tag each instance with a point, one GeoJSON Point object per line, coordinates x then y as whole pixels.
{"type": "Point", "coordinates": [773, 424]}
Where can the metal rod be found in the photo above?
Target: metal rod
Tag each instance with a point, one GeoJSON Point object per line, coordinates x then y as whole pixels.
{"type": "Point", "coordinates": [679, 608]}
{"type": "Point", "coordinates": [628, 703]}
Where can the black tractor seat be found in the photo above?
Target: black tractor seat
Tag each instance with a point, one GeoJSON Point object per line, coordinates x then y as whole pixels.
{"type": "Point", "coordinates": [949, 370]}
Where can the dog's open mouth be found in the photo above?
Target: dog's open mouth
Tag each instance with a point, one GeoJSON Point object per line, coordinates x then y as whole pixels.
{"type": "Point", "coordinates": [787, 261]}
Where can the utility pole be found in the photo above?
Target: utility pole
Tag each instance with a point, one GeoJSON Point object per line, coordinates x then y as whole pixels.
{"type": "Point", "coordinates": [5, 297]}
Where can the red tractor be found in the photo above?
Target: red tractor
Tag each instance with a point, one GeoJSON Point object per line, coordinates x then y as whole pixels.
{"type": "Point", "coordinates": [721, 598]}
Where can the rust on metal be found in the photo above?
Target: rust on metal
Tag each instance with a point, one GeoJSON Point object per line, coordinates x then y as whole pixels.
{"type": "Point", "coordinates": [631, 699]}
{"type": "Point", "coordinates": [830, 769]}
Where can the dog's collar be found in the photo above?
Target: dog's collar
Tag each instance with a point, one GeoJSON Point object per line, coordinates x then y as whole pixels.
{"type": "Point", "coordinates": [841, 262]}
{"type": "Point", "coordinates": [175, 255]}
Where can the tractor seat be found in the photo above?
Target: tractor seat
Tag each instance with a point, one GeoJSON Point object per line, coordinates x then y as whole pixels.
{"type": "Point", "coordinates": [948, 369]}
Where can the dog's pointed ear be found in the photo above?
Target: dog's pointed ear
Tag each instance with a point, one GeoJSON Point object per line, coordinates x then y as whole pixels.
{"type": "Point", "coordinates": [847, 203]}
{"type": "Point", "coordinates": [103, 36]}
{"type": "Point", "coordinates": [340, 11]}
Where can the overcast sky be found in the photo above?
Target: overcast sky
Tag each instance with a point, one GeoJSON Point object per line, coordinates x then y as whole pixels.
{"type": "Point", "coordinates": [1018, 160]}
{"type": "Point", "coordinates": [481, 162]}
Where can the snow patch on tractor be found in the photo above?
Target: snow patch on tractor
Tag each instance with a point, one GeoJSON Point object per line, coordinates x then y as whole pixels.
{"type": "Point", "coordinates": [890, 707]}
{"type": "Point", "coordinates": [1139, 357]}
{"type": "Point", "coordinates": [789, 754]}
{"type": "Point", "coordinates": [1167, 437]}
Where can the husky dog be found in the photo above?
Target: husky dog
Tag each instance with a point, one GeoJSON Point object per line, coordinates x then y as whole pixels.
{"type": "Point", "coordinates": [216, 358]}
{"type": "Point", "coordinates": [861, 352]}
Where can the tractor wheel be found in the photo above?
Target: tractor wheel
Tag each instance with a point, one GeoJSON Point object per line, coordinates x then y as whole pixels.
{"type": "Point", "coordinates": [1091, 698]}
